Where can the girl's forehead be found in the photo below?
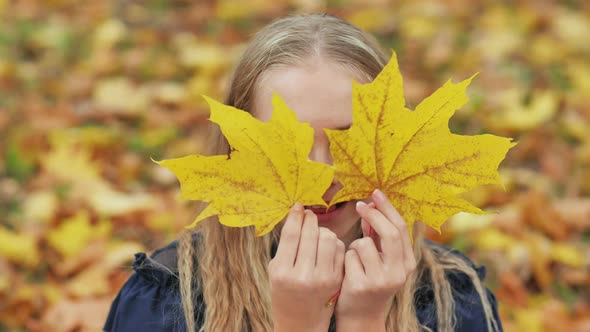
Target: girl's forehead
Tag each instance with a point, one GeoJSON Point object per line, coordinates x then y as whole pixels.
{"type": "Point", "coordinates": [319, 92]}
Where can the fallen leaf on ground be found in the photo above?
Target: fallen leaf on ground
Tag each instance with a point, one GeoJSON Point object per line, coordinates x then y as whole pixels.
{"type": "Point", "coordinates": [19, 247]}
{"type": "Point", "coordinates": [75, 233]}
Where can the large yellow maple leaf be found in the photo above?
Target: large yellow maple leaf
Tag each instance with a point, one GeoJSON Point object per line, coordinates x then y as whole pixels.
{"type": "Point", "coordinates": [411, 155]}
{"type": "Point", "coordinates": [265, 174]}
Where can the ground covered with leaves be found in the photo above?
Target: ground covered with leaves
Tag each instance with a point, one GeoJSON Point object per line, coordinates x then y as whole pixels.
{"type": "Point", "coordinates": [90, 92]}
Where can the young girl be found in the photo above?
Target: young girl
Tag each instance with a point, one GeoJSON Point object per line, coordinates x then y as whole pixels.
{"type": "Point", "coordinates": [319, 270]}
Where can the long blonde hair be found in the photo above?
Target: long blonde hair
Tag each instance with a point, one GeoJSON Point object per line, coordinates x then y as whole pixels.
{"type": "Point", "coordinates": [227, 268]}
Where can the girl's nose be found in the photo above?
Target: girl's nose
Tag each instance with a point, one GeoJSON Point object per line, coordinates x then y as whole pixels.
{"type": "Point", "coordinates": [320, 151]}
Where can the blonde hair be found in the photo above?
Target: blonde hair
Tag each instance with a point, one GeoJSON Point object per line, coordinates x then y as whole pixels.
{"type": "Point", "coordinates": [227, 268]}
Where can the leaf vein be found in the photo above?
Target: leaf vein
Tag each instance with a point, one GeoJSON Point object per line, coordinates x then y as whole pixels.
{"type": "Point", "coordinates": [236, 183]}
{"type": "Point", "coordinates": [376, 148]}
{"type": "Point", "coordinates": [403, 150]}
{"type": "Point", "coordinates": [357, 167]}
{"type": "Point", "coordinates": [269, 161]}
{"type": "Point", "coordinates": [429, 202]}
{"type": "Point", "coordinates": [444, 165]}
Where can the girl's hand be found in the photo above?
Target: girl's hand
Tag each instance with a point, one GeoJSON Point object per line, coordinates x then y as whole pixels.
{"type": "Point", "coordinates": [305, 272]}
{"type": "Point", "coordinates": [376, 267]}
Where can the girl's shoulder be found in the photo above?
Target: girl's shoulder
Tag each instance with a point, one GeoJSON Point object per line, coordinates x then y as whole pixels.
{"type": "Point", "coordinates": [468, 306]}
{"type": "Point", "coordinates": [455, 275]}
{"type": "Point", "coordinates": [461, 280]}
{"type": "Point", "coordinates": [150, 299]}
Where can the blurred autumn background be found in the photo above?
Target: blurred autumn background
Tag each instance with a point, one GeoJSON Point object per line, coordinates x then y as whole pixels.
{"type": "Point", "coordinates": [90, 91]}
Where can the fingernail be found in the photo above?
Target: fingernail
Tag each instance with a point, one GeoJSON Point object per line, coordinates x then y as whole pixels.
{"type": "Point", "coordinates": [379, 194]}
{"type": "Point", "coordinates": [361, 204]}
{"type": "Point", "coordinates": [297, 207]}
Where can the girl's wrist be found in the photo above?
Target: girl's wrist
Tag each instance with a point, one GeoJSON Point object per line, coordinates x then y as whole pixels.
{"type": "Point", "coordinates": [299, 329]}
{"type": "Point", "coordinates": [297, 326]}
{"type": "Point", "coordinates": [345, 324]}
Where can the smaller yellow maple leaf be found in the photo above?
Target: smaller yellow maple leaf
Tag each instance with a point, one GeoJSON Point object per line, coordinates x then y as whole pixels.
{"type": "Point", "coordinates": [411, 155]}
{"type": "Point", "coordinates": [19, 247]}
{"type": "Point", "coordinates": [265, 174]}
{"type": "Point", "coordinates": [75, 233]}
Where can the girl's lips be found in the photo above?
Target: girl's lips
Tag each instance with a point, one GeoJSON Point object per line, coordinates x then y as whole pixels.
{"type": "Point", "coordinates": [324, 215]}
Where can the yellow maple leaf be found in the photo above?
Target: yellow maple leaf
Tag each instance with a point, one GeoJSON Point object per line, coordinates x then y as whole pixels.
{"type": "Point", "coordinates": [19, 247]}
{"type": "Point", "coordinates": [75, 233]}
{"type": "Point", "coordinates": [411, 155]}
{"type": "Point", "coordinates": [267, 171]}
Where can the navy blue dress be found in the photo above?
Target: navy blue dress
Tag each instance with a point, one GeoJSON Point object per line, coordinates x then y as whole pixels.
{"type": "Point", "coordinates": [150, 299]}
